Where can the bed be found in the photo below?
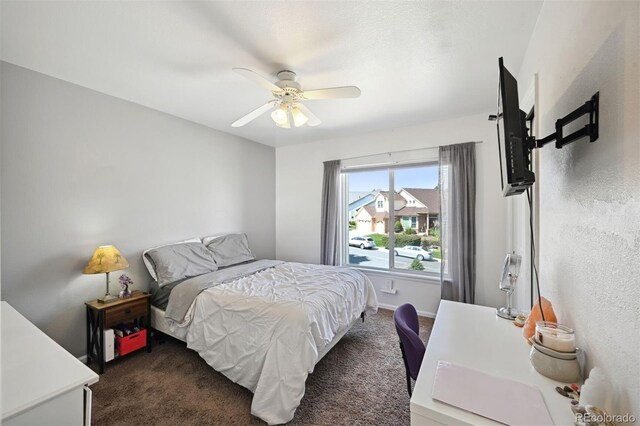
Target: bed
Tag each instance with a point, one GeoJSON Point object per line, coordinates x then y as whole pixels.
{"type": "Point", "coordinates": [264, 324]}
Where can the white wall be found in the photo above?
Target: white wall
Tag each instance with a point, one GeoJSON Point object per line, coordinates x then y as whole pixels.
{"type": "Point", "coordinates": [82, 169]}
{"type": "Point", "coordinates": [298, 196]}
{"type": "Point", "coordinates": [590, 193]}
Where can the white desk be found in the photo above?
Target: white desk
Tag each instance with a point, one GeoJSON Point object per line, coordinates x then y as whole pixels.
{"type": "Point", "coordinates": [41, 382]}
{"type": "Point", "coordinates": [474, 337]}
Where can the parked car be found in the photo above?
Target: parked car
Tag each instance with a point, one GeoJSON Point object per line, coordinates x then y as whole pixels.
{"type": "Point", "coordinates": [362, 242]}
{"type": "Point", "coordinates": [414, 252]}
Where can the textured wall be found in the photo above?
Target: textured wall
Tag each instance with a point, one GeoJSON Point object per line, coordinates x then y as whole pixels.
{"type": "Point", "coordinates": [590, 193]}
{"type": "Point", "coordinates": [82, 169]}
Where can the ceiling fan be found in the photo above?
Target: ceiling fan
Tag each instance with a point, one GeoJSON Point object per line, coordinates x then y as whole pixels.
{"type": "Point", "coordinates": [288, 99]}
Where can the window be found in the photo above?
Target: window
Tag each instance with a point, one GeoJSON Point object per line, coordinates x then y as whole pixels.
{"type": "Point", "coordinates": [393, 231]}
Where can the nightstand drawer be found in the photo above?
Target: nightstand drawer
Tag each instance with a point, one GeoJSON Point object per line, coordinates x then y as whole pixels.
{"type": "Point", "coordinates": [125, 312]}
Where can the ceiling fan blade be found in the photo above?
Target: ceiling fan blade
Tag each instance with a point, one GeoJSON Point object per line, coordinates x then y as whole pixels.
{"type": "Point", "coordinates": [313, 120]}
{"type": "Point", "coordinates": [257, 78]}
{"type": "Point", "coordinates": [333, 93]}
{"type": "Point", "coordinates": [253, 114]}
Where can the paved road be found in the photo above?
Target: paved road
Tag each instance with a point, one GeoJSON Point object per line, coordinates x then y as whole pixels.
{"type": "Point", "coordinates": [379, 258]}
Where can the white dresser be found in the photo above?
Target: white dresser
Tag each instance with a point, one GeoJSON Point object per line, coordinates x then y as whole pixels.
{"type": "Point", "coordinates": [474, 337]}
{"type": "Point", "coordinates": [42, 384]}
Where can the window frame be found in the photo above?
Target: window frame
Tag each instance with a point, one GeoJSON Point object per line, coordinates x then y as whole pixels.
{"type": "Point", "coordinates": [344, 244]}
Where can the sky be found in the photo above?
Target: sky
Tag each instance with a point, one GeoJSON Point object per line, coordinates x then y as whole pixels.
{"type": "Point", "coordinates": [415, 177]}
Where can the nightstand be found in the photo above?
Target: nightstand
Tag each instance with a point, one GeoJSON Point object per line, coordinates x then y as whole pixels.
{"type": "Point", "coordinates": [101, 316]}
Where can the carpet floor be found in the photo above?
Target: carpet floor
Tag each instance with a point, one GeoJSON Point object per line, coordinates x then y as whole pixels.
{"type": "Point", "coordinates": [361, 381]}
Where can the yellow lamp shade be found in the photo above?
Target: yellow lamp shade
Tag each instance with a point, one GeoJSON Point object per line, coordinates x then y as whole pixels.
{"type": "Point", "coordinates": [105, 259]}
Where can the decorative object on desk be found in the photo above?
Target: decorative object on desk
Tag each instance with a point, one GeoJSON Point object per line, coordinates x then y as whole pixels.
{"type": "Point", "coordinates": [536, 315]}
{"type": "Point", "coordinates": [106, 259]}
{"type": "Point", "coordinates": [560, 366]}
{"type": "Point", "coordinates": [520, 319]}
{"type": "Point", "coordinates": [564, 393]}
{"type": "Point", "coordinates": [552, 352]}
{"type": "Point", "coordinates": [125, 281]}
{"type": "Point", "coordinates": [567, 392]}
{"type": "Point", "coordinates": [555, 336]}
{"type": "Point", "coordinates": [510, 272]}
{"type": "Point", "coordinates": [597, 390]}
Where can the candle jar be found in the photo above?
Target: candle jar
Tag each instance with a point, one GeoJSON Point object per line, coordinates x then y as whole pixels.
{"type": "Point", "coordinates": [555, 336]}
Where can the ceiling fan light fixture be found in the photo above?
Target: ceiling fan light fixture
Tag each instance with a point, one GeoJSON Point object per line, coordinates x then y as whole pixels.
{"type": "Point", "coordinates": [280, 116]}
{"type": "Point", "coordinates": [288, 98]}
{"type": "Point", "coordinates": [299, 119]}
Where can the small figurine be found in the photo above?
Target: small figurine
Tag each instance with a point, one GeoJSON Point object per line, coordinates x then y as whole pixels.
{"type": "Point", "coordinates": [125, 282]}
{"type": "Point", "coordinates": [520, 320]}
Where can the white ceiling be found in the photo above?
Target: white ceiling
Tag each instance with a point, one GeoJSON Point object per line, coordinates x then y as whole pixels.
{"type": "Point", "coordinates": [414, 61]}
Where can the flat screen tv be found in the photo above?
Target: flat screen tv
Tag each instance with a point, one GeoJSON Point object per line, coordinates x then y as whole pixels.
{"type": "Point", "coordinates": [512, 136]}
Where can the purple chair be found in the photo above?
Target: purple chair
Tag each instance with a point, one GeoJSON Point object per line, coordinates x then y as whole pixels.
{"type": "Point", "coordinates": [408, 328]}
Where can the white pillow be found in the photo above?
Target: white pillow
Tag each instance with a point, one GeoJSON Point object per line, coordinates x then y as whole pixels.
{"type": "Point", "coordinates": [149, 264]}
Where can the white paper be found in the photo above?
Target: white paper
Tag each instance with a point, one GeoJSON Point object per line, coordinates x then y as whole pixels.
{"type": "Point", "coordinates": [502, 400]}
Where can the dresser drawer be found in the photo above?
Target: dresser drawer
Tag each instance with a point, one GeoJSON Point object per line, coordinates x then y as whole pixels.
{"type": "Point", "coordinates": [126, 312]}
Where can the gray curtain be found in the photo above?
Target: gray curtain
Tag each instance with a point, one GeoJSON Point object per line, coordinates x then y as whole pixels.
{"type": "Point", "coordinates": [330, 252]}
{"type": "Point", "coordinates": [458, 221]}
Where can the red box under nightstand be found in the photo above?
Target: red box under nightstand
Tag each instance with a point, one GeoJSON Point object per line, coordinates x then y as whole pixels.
{"type": "Point", "coordinates": [132, 342]}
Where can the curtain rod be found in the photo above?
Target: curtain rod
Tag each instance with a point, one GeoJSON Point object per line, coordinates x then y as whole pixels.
{"type": "Point", "coordinates": [382, 165]}
{"type": "Point", "coordinates": [389, 153]}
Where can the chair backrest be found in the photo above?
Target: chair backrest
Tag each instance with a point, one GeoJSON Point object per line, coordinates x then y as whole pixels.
{"type": "Point", "coordinates": [408, 328]}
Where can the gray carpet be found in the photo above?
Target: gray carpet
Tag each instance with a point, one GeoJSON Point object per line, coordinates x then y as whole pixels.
{"type": "Point", "coordinates": [361, 381]}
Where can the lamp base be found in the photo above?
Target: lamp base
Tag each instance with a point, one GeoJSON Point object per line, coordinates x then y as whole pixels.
{"type": "Point", "coordinates": [506, 313]}
{"type": "Point", "coordinates": [108, 298]}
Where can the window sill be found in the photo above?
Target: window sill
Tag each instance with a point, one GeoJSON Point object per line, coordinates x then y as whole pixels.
{"type": "Point", "coordinates": [410, 276]}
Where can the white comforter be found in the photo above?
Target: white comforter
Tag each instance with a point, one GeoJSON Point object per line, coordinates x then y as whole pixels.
{"type": "Point", "coordinates": [265, 331]}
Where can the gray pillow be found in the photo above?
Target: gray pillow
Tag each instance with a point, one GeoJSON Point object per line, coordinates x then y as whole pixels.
{"type": "Point", "coordinates": [230, 249]}
{"type": "Point", "coordinates": [179, 261]}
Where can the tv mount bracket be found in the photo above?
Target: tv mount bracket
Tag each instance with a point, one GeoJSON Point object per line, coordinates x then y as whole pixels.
{"type": "Point", "coordinates": [591, 129]}
{"type": "Point", "coordinates": [590, 107]}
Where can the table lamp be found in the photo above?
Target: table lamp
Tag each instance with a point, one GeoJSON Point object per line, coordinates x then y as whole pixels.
{"type": "Point", "coordinates": [106, 259]}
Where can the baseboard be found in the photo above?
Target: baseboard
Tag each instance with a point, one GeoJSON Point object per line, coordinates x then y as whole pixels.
{"type": "Point", "coordinates": [82, 359]}
{"type": "Point", "coordinates": [420, 313]}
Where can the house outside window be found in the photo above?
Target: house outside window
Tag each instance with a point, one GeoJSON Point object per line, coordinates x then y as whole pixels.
{"type": "Point", "coordinates": [403, 222]}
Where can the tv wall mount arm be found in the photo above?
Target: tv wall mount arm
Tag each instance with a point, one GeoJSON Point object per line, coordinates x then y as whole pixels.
{"type": "Point", "coordinates": [591, 129]}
